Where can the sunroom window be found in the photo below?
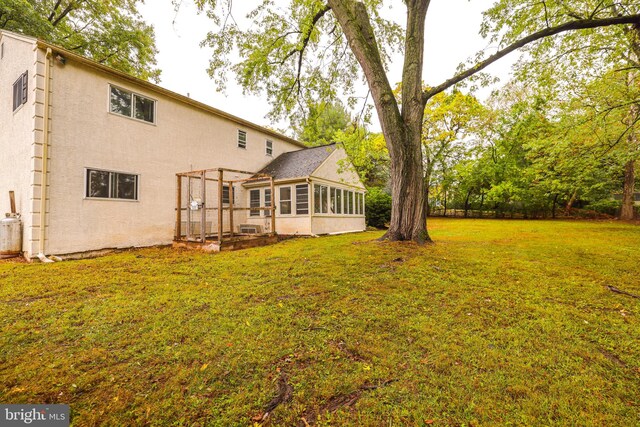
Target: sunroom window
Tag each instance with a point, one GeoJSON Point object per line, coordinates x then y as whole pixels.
{"type": "Point", "coordinates": [285, 200]}
{"type": "Point", "coordinates": [302, 199]}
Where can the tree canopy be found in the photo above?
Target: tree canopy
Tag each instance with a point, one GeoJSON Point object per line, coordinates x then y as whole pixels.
{"type": "Point", "coordinates": [110, 32]}
{"type": "Point", "coordinates": [309, 50]}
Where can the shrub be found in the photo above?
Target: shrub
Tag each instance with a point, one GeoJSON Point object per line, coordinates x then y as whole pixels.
{"type": "Point", "coordinates": [378, 208]}
{"type": "Point", "coordinates": [609, 207]}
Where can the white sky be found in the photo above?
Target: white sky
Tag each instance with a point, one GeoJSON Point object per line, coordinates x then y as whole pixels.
{"type": "Point", "coordinates": [451, 37]}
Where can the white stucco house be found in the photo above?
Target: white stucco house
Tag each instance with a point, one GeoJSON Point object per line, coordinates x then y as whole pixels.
{"type": "Point", "coordinates": [114, 145]}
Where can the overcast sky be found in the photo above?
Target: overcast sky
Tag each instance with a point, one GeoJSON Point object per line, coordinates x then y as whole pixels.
{"type": "Point", "coordinates": [451, 37]}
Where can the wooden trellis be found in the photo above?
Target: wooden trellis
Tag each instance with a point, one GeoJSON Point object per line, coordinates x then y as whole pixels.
{"type": "Point", "coordinates": [203, 205]}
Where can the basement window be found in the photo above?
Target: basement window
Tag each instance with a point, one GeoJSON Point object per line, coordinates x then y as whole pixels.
{"type": "Point", "coordinates": [20, 91]}
{"type": "Point", "coordinates": [133, 105]}
{"type": "Point", "coordinates": [101, 184]}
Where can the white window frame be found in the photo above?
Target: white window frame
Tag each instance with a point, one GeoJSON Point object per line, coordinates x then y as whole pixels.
{"type": "Point", "coordinates": [308, 199]}
{"type": "Point", "coordinates": [290, 200]}
{"type": "Point", "coordinates": [322, 199]}
{"type": "Point", "coordinates": [253, 212]}
{"type": "Point", "coordinates": [268, 148]}
{"type": "Point", "coordinates": [267, 214]}
{"type": "Point", "coordinates": [242, 141]}
{"type": "Point", "coordinates": [86, 183]}
{"type": "Point", "coordinates": [133, 104]}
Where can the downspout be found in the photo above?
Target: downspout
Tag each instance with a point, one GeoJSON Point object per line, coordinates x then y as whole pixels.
{"type": "Point", "coordinates": [45, 157]}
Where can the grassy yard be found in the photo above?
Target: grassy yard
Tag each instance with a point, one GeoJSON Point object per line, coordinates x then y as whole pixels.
{"type": "Point", "coordinates": [498, 323]}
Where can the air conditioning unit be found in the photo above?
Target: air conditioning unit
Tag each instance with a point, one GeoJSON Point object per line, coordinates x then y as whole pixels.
{"type": "Point", "coordinates": [249, 229]}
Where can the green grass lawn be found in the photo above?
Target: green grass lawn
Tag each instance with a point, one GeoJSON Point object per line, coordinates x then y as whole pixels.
{"type": "Point", "coordinates": [498, 323]}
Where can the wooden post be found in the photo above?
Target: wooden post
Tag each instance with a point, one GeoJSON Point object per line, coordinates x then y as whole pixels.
{"type": "Point", "coordinates": [203, 197]}
{"type": "Point", "coordinates": [189, 209]}
{"type": "Point", "coordinates": [220, 217]}
{"type": "Point", "coordinates": [231, 208]}
{"type": "Point", "coordinates": [273, 207]}
{"type": "Point", "coordinates": [179, 209]}
{"type": "Point", "coordinates": [12, 201]}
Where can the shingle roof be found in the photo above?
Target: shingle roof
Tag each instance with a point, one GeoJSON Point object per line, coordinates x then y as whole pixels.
{"type": "Point", "coordinates": [297, 164]}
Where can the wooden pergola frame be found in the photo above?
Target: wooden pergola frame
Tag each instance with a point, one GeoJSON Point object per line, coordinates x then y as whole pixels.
{"type": "Point", "coordinates": [202, 175]}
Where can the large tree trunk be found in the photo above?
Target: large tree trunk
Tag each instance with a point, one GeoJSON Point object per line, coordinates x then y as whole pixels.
{"type": "Point", "coordinates": [402, 129]}
{"type": "Point", "coordinates": [628, 212]}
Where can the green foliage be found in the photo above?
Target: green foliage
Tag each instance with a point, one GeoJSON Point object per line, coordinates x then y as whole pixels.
{"type": "Point", "coordinates": [609, 207]}
{"type": "Point", "coordinates": [499, 323]}
{"type": "Point", "coordinates": [322, 123]}
{"type": "Point", "coordinates": [297, 60]}
{"type": "Point", "coordinates": [378, 207]}
{"type": "Point", "coordinates": [111, 32]}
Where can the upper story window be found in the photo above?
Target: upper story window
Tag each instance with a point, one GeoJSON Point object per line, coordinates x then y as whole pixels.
{"type": "Point", "coordinates": [20, 91]}
{"type": "Point", "coordinates": [242, 139]}
{"type": "Point", "coordinates": [268, 148]}
{"type": "Point", "coordinates": [111, 185]}
{"type": "Point", "coordinates": [132, 105]}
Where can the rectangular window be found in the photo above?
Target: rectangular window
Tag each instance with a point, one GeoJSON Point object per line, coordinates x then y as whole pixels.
{"type": "Point", "coordinates": [302, 199]}
{"type": "Point", "coordinates": [358, 203]}
{"type": "Point", "coordinates": [349, 202]}
{"type": "Point", "coordinates": [267, 200]}
{"type": "Point", "coordinates": [332, 201]}
{"type": "Point", "coordinates": [254, 202]}
{"type": "Point", "coordinates": [130, 104]}
{"type": "Point", "coordinates": [20, 90]}
{"type": "Point", "coordinates": [268, 148]}
{"type": "Point", "coordinates": [316, 198]}
{"type": "Point", "coordinates": [111, 185]}
{"type": "Point", "coordinates": [242, 139]}
{"type": "Point", "coordinates": [324, 190]}
{"type": "Point", "coordinates": [226, 193]}
{"type": "Point", "coordinates": [285, 200]}
{"type": "Point", "coordinates": [321, 199]}
{"type": "Point", "coordinates": [339, 201]}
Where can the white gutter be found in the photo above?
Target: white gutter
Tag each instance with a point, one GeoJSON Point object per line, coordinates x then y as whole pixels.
{"type": "Point", "coordinates": [45, 156]}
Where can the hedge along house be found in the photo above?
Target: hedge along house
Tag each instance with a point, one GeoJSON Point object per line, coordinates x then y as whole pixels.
{"type": "Point", "coordinates": [114, 144]}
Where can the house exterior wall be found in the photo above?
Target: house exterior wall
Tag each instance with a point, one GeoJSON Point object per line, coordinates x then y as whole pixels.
{"type": "Point", "coordinates": [292, 224]}
{"type": "Point", "coordinates": [18, 165]}
{"type": "Point", "coordinates": [85, 134]}
{"type": "Point", "coordinates": [337, 172]}
{"type": "Point", "coordinates": [337, 168]}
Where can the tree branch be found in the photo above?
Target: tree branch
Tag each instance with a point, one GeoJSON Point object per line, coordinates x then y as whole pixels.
{"type": "Point", "coordinates": [581, 24]}
{"type": "Point", "coordinates": [53, 11]}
